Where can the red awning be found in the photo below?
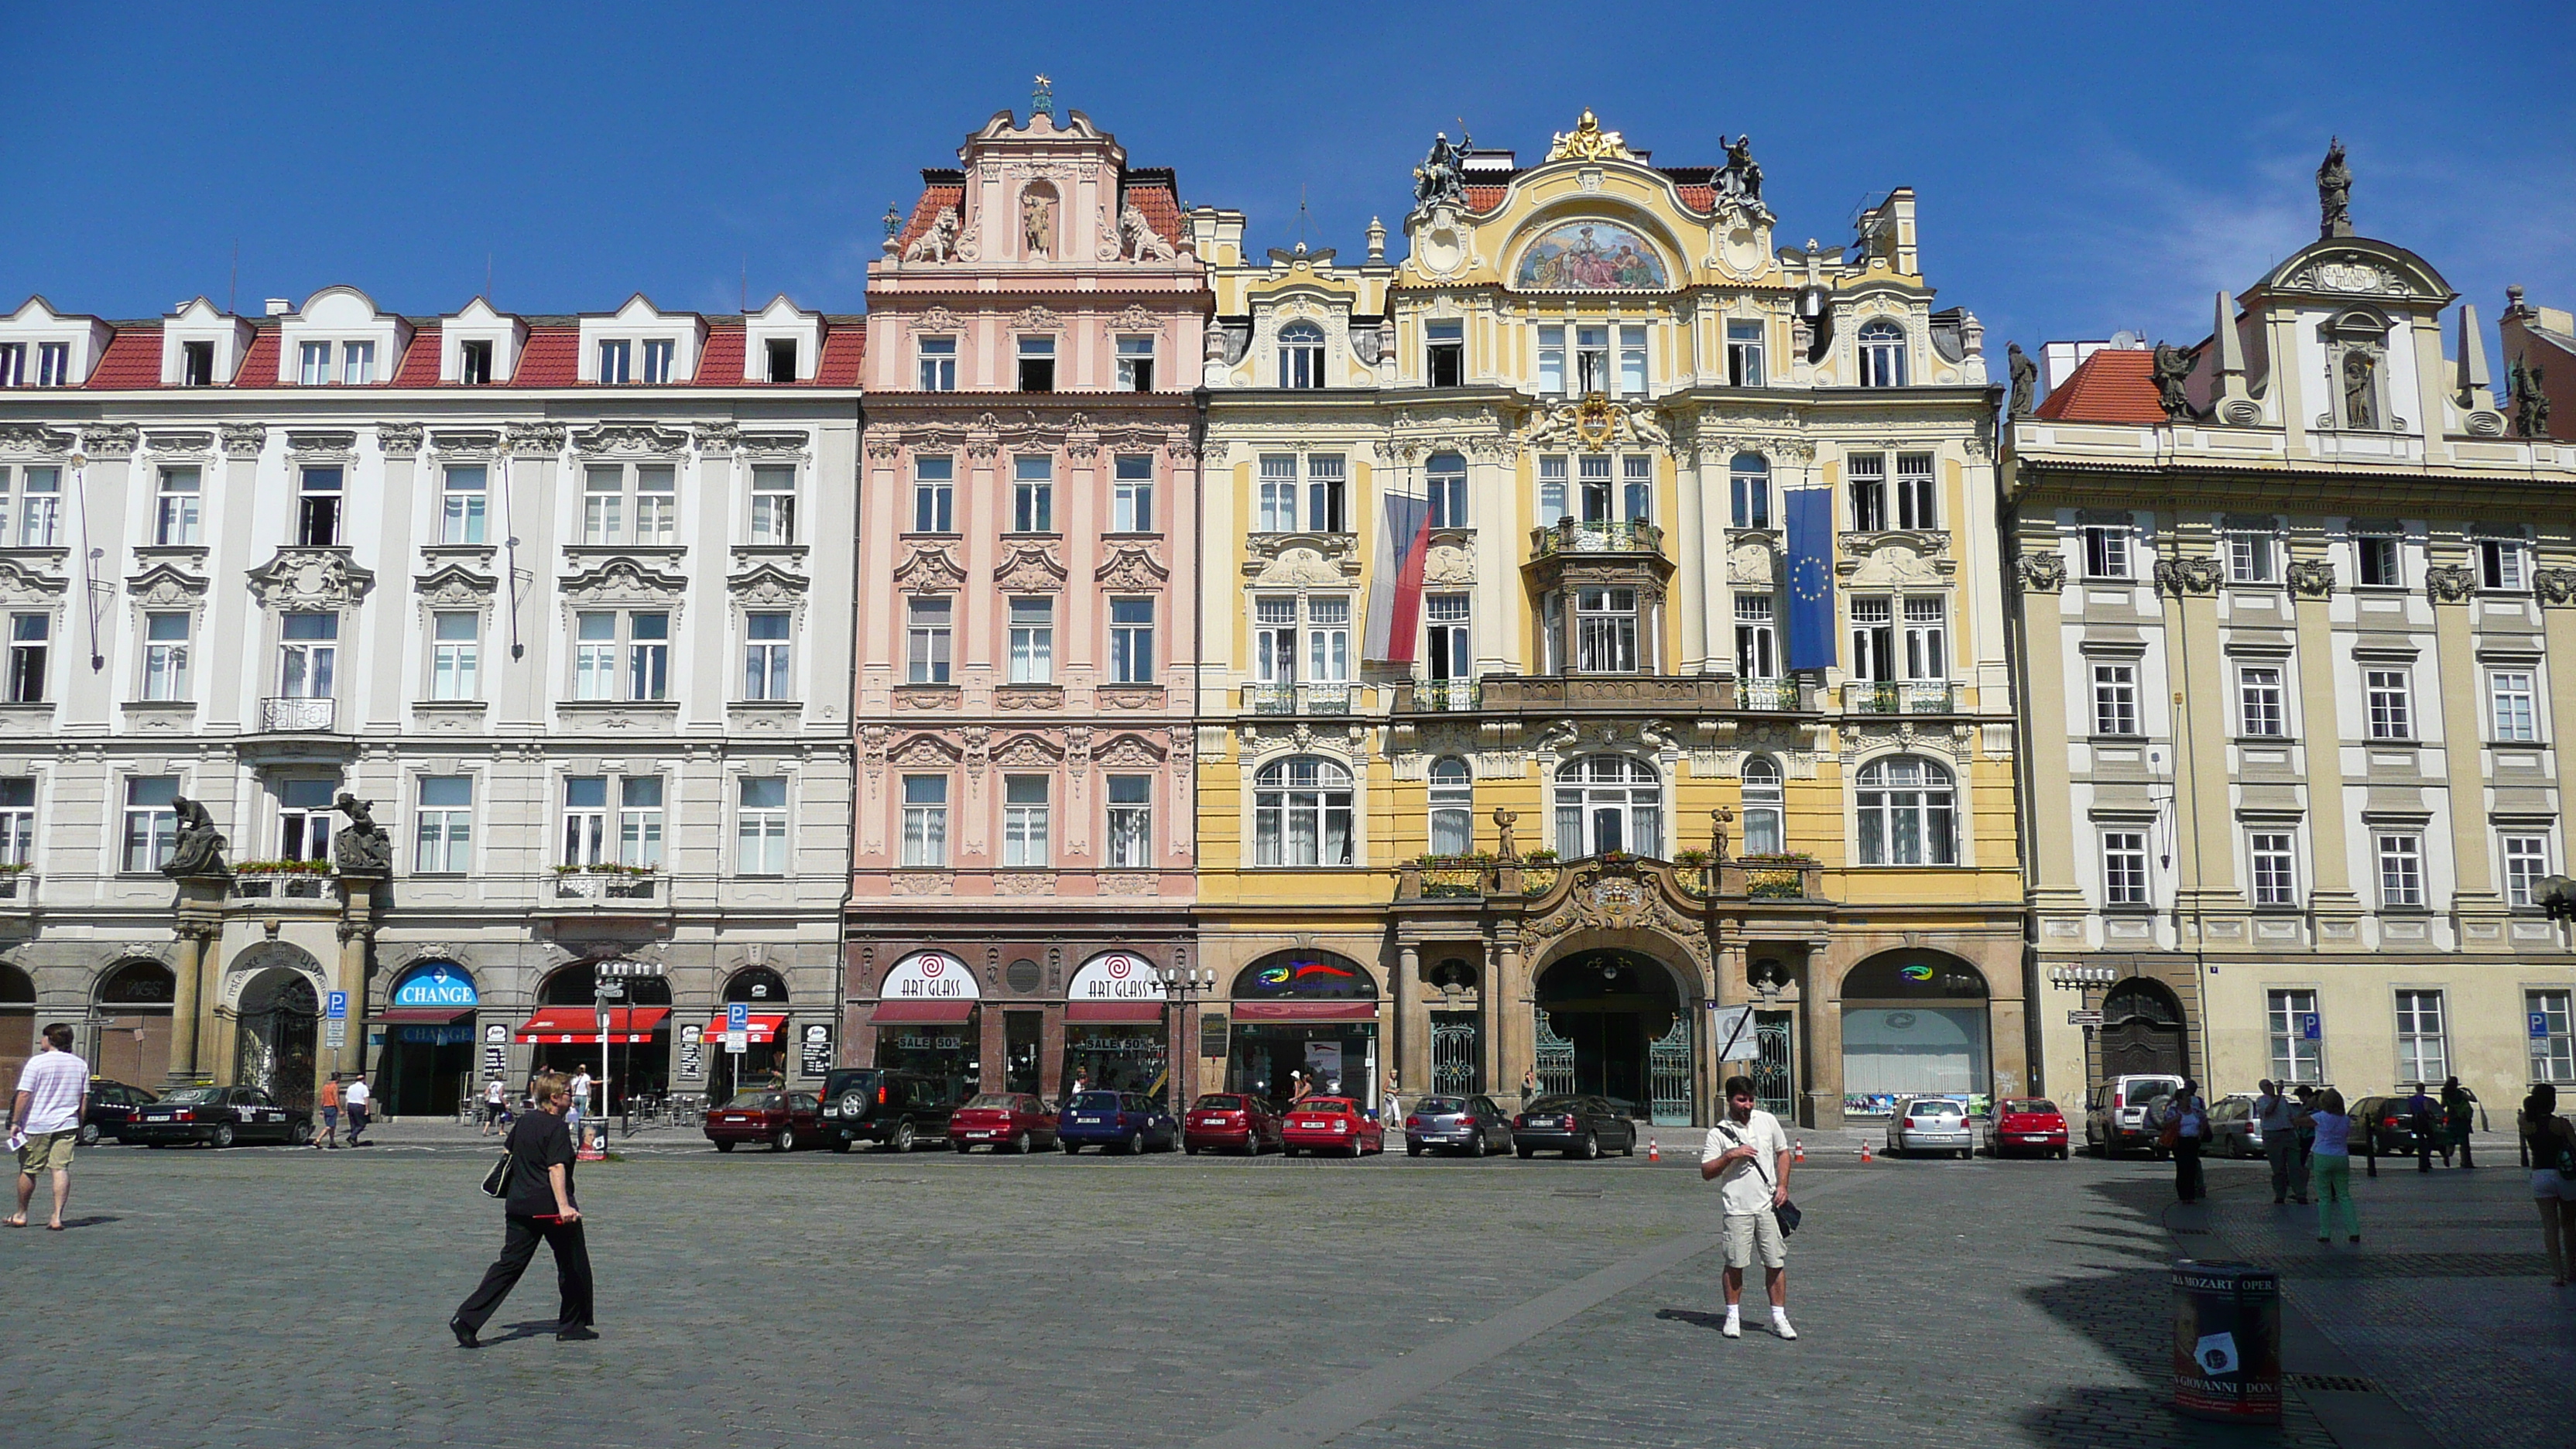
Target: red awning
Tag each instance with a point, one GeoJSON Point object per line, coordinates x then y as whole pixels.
{"type": "Point", "coordinates": [1113, 1011]}
{"type": "Point", "coordinates": [559, 1025]}
{"type": "Point", "coordinates": [1304, 1010]}
{"type": "Point", "coordinates": [423, 1015]}
{"type": "Point", "coordinates": [944, 1009]}
{"type": "Point", "coordinates": [765, 1026]}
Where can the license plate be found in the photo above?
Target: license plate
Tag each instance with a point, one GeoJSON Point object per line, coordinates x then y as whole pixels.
{"type": "Point", "coordinates": [985, 1132]}
{"type": "Point", "coordinates": [1314, 1126]}
{"type": "Point", "coordinates": [1088, 1121]}
{"type": "Point", "coordinates": [158, 1117]}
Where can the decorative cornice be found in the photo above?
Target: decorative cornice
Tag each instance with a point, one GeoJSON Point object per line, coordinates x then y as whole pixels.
{"type": "Point", "coordinates": [631, 438]}
{"type": "Point", "coordinates": [2189, 575]}
{"type": "Point", "coordinates": [929, 569]}
{"type": "Point", "coordinates": [403, 438]}
{"type": "Point", "coordinates": [310, 577]}
{"type": "Point", "coordinates": [1030, 568]}
{"type": "Point", "coordinates": [243, 441]}
{"type": "Point", "coordinates": [2040, 573]}
{"type": "Point", "coordinates": [536, 439]}
{"type": "Point", "coordinates": [34, 438]}
{"type": "Point", "coordinates": [623, 578]}
{"type": "Point", "coordinates": [1131, 567]}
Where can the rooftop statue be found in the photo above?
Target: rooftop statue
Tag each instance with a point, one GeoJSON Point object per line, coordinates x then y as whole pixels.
{"type": "Point", "coordinates": [1588, 142]}
{"type": "Point", "coordinates": [1742, 175]}
{"type": "Point", "coordinates": [939, 243]}
{"type": "Point", "coordinates": [2025, 380]}
{"type": "Point", "coordinates": [2334, 192]}
{"type": "Point", "coordinates": [2172, 369]}
{"type": "Point", "coordinates": [2530, 404]}
{"type": "Point", "coordinates": [1441, 179]}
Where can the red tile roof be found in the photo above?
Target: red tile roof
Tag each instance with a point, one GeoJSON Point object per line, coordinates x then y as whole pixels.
{"type": "Point", "coordinates": [2114, 385]}
{"type": "Point", "coordinates": [420, 363]}
{"type": "Point", "coordinates": [1701, 198]}
{"type": "Point", "coordinates": [720, 361]}
{"type": "Point", "coordinates": [1485, 198]}
{"type": "Point", "coordinates": [551, 358]}
{"type": "Point", "coordinates": [926, 210]}
{"type": "Point", "coordinates": [132, 359]}
{"type": "Point", "coordinates": [844, 348]}
{"type": "Point", "coordinates": [1162, 210]}
{"type": "Point", "coordinates": [259, 360]}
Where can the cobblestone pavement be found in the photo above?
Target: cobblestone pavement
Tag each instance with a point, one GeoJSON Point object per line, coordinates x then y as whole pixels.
{"type": "Point", "coordinates": [272, 1297]}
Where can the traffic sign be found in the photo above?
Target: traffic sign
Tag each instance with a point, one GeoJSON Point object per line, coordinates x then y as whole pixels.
{"type": "Point", "coordinates": [335, 1033]}
{"type": "Point", "coordinates": [737, 1017]}
{"type": "Point", "coordinates": [2539, 1026]}
{"type": "Point", "coordinates": [2083, 1018]}
{"type": "Point", "coordinates": [737, 1041]}
{"type": "Point", "coordinates": [2312, 1026]}
{"type": "Point", "coordinates": [336, 1006]}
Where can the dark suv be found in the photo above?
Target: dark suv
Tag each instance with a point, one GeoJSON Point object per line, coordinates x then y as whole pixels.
{"type": "Point", "coordinates": [897, 1110]}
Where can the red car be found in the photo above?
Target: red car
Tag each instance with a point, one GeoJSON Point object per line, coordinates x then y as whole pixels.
{"type": "Point", "coordinates": [1231, 1121]}
{"type": "Point", "coordinates": [784, 1120]}
{"type": "Point", "coordinates": [1329, 1124]}
{"type": "Point", "coordinates": [1014, 1121]}
{"type": "Point", "coordinates": [2026, 1125]}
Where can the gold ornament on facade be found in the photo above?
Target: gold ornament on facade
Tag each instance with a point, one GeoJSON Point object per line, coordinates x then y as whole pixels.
{"type": "Point", "coordinates": [1588, 142]}
{"type": "Point", "coordinates": [1594, 422]}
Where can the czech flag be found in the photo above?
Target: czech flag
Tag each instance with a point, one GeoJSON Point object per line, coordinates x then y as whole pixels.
{"type": "Point", "coordinates": [1395, 585]}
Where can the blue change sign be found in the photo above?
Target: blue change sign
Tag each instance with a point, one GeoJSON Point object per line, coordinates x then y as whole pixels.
{"type": "Point", "coordinates": [436, 983]}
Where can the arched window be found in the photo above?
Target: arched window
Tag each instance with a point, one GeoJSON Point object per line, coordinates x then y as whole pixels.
{"type": "Point", "coordinates": [1750, 476]}
{"type": "Point", "coordinates": [1882, 354]}
{"type": "Point", "coordinates": [757, 984]}
{"type": "Point", "coordinates": [1907, 813]}
{"type": "Point", "coordinates": [1762, 830]}
{"type": "Point", "coordinates": [1453, 808]}
{"type": "Point", "coordinates": [1301, 355]}
{"type": "Point", "coordinates": [1606, 803]}
{"type": "Point", "coordinates": [1301, 813]}
{"type": "Point", "coordinates": [137, 983]}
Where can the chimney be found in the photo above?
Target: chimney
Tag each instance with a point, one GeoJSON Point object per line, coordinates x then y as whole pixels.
{"type": "Point", "coordinates": [280, 306]}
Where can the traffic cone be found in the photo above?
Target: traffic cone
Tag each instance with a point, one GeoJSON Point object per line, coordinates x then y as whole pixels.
{"type": "Point", "coordinates": [1654, 1153]}
{"type": "Point", "coordinates": [1801, 1154]}
{"type": "Point", "coordinates": [1864, 1154]}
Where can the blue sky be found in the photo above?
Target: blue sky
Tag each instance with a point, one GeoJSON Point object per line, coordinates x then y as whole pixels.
{"type": "Point", "coordinates": [2075, 175]}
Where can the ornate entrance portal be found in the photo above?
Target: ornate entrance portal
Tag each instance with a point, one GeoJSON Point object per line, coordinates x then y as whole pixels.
{"type": "Point", "coordinates": [1610, 1023]}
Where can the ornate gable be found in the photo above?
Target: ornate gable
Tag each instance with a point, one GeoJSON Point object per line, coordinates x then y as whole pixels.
{"type": "Point", "coordinates": [456, 585]}
{"type": "Point", "coordinates": [1027, 751]}
{"type": "Point", "coordinates": [1131, 567]}
{"type": "Point", "coordinates": [929, 570]}
{"type": "Point", "coordinates": [767, 585]}
{"type": "Point", "coordinates": [319, 578]}
{"type": "Point", "coordinates": [623, 580]}
{"type": "Point", "coordinates": [925, 751]}
{"type": "Point", "coordinates": [631, 438]}
{"type": "Point", "coordinates": [1030, 568]}
{"type": "Point", "coordinates": [162, 586]}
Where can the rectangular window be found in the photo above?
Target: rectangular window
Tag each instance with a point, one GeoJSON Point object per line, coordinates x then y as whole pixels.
{"type": "Point", "coordinates": [1868, 484]}
{"type": "Point", "coordinates": [781, 354]}
{"type": "Point", "coordinates": [1131, 499]}
{"type": "Point", "coordinates": [30, 640]}
{"type": "Point", "coordinates": [317, 512]}
{"type": "Point", "coordinates": [2115, 699]}
{"type": "Point", "coordinates": [1750, 495]}
{"type": "Point", "coordinates": [176, 522]}
{"type": "Point", "coordinates": [1757, 638]}
{"type": "Point", "coordinates": [474, 363]}
{"type": "Point", "coordinates": [2258, 700]}
{"type": "Point", "coordinates": [53, 364]}
{"type": "Point", "coordinates": [1605, 631]}
{"type": "Point", "coordinates": [616, 362]}
{"type": "Point", "coordinates": [603, 505]}
{"type": "Point", "coordinates": [934, 495]}
{"type": "Point", "coordinates": [2501, 566]}
{"type": "Point", "coordinates": [2551, 1029]}
{"type": "Point", "coordinates": [18, 821]}
{"type": "Point", "coordinates": [1037, 364]}
{"type": "Point", "coordinates": [1032, 641]}
{"type": "Point", "coordinates": [2512, 704]}
{"type": "Point", "coordinates": [773, 505]}
{"type": "Point", "coordinates": [313, 365]}
{"type": "Point", "coordinates": [657, 504]}
{"type": "Point", "coordinates": [1131, 822]}
{"type": "Point", "coordinates": [1551, 361]}
{"type": "Point", "coordinates": [767, 671]}
{"type": "Point", "coordinates": [760, 828]}
{"type": "Point", "coordinates": [1637, 489]}
{"type": "Point", "coordinates": [13, 364]}
{"type": "Point", "coordinates": [166, 654]}
{"type": "Point", "coordinates": [2124, 868]}
{"type": "Point", "coordinates": [1592, 488]}
{"type": "Point", "coordinates": [1446, 477]}
{"type": "Point", "coordinates": [585, 819]}
{"type": "Point", "coordinates": [639, 820]}
{"type": "Point", "coordinates": [456, 655]}
{"type": "Point", "coordinates": [1873, 626]}
{"type": "Point", "coordinates": [1131, 641]}
{"type": "Point", "coordinates": [659, 354]}
{"type": "Point", "coordinates": [462, 504]}
{"type": "Point", "coordinates": [1446, 631]}
{"type": "Point", "coordinates": [1744, 353]}
{"type": "Point", "coordinates": [308, 655]}
{"type": "Point", "coordinates": [1274, 639]}
{"type": "Point", "coordinates": [2379, 564]}
{"type": "Point", "coordinates": [2252, 559]}
{"type": "Point", "coordinates": [2423, 1052]}
{"type": "Point", "coordinates": [1278, 496]}
{"type": "Point", "coordinates": [443, 826]}
{"type": "Point", "coordinates": [1591, 360]}
{"type": "Point", "coordinates": [926, 641]}
{"type": "Point", "coordinates": [1552, 496]}
{"type": "Point", "coordinates": [1024, 820]}
{"type": "Point", "coordinates": [1327, 502]}
{"type": "Point", "coordinates": [2526, 863]}
{"type": "Point", "coordinates": [2276, 881]}
{"type": "Point", "coordinates": [1632, 361]}
{"type": "Point", "coordinates": [594, 657]}
{"type": "Point", "coordinates": [1445, 353]}
{"type": "Point", "coordinates": [304, 819]}
{"type": "Point", "coordinates": [1915, 500]}
{"type": "Point", "coordinates": [2106, 553]}
{"type": "Point", "coordinates": [2401, 870]}
{"type": "Point", "coordinates": [1925, 655]}
{"type": "Point", "coordinates": [151, 824]}
{"type": "Point", "coordinates": [1328, 640]}
{"type": "Point", "coordinates": [40, 505]}
{"type": "Point", "coordinates": [1135, 364]}
{"type": "Point", "coordinates": [2297, 1056]}
{"type": "Point", "coordinates": [648, 656]}
{"type": "Point", "coordinates": [1033, 495]}
{"type": "Point", "coordinates": [357, 363]}
{"type": "Point", "coordinates": [938, 364]}
{"type": "Point", "coordinates": [197, 364]}
{"type": "Point", "coordinates": [925, 820]}
{"type": "Point", "coordinates": [2390, 697]}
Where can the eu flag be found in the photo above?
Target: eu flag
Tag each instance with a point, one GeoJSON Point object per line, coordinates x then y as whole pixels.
{"type": "Point", "coordinates": [1811, 577]}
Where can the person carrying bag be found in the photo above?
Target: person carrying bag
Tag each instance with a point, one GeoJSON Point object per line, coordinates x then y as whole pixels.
{"type": "Point", "coordinates": [534, 1181]}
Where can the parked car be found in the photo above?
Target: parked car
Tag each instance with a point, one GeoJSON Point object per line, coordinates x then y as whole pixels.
{"type": "Point", "coordinates": [2233, 1130]}
{"type": "Point", "coordinates": [1580, 1127]}
{"type": "Point", "coordinates": [2026, 1125]}
{"type": "Point", "coordinates": [219, 1117]}
{"type": "Point", "coordinates": [2116, 1118]}
{"type": "Point", "coordinates": [1330, 1124]}
{"type": "Point", "coordinates": [2391, 1125]}
{"type": "Point", "coordinates": [784, 1120]}
{"type": "Point", "coordinates": [1128, 1122]}
{"type": "Point", "coordinates": [896, 1109]}
{"type": "Point", "coordinates": [1017, 1121]}
{"type": "Point", "coordinates": [1232, 1121]}
{"type": "Point", "coordinates": [110, 1105]}
{"type": "Point", "coordinates": [1930, 1124]}
{"type": "Point", "coordinates": [1472, 1125]}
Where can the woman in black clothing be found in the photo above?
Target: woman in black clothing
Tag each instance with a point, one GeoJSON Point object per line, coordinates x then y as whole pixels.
{"type": "Point", "coordinates": [540, 1208]}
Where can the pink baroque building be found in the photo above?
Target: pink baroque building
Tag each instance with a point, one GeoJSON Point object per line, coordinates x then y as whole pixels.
{"type": "Point", "coordinates": [1024, 854]}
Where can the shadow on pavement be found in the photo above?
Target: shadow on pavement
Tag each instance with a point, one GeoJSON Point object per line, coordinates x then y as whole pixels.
{"type": "Point", "coordinates": [1710, 1321]}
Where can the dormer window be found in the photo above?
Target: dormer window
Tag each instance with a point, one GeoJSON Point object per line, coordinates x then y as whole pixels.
{"type": "Point", "coordinates": [616, 360]}
{"type": "Point", "coordinates": [1301, 355]}
{"type": "Point", "coordinates": [782, 359]}
{"type": "Point", "coordinates": [53, 364]}
{"type": "Point", "coordinates": [13, 364]}
{"type": "Point", "coordinates": [658, 353]}
{"type": "Point", "coordinates": [1037, 364]}
{"type": "Point", "coordinates": [357, 363]}
{"type": "Point", "coordinates": [474, 363]}
{"type": "Point", "coordinates": [313, 364]}
{"type": "Point", "coordinates": [1882, 354]}
{"type": "Point", "coordinates": [196, 364]}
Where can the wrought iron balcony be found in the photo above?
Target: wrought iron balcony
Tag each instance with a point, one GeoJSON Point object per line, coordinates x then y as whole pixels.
{"type": "Point", "coordinates": [1574, 535]}
{"type": "Point", "coordinates": [298, 716]}
{"type": "Point", "coordinates": [1861, 697]}
{"type": "Point", "coordinates": [1299, 698]}
{"type": "Point", "coordinates": [1767, 694]}
{"type": "Point", "coordinates": [1431, 695]}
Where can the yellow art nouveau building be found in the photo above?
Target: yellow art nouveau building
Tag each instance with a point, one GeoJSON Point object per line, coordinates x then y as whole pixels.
{"type": "Point", "coordinates": [1601, 630]}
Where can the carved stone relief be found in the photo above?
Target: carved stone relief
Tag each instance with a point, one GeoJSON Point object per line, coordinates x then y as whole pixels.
{"type": "Point", "coordinates": [2040, 573]}
{"type": "Point", "coordinates": [928, 569]}
{"type": "Point", "coordinates": [2450, 583]}
{"type": "Point", "coordinates": [631, 438]}
{"type": "Point", "coordinates": [2196, 574]}
{"type": "Point", "coordinates": [319, 578]}
{"type": "Point", "coordinates": [1131, 568]}
{"type": "Point", "coordinates": [2311, 578]}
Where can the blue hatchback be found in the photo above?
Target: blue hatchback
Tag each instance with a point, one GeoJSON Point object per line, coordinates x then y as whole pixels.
{"type": "Point", "coordinates": [1118, 1122]}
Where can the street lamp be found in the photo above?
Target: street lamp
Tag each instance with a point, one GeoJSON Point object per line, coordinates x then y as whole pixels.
{"type": "Point", "coordinates": [1178, 982]}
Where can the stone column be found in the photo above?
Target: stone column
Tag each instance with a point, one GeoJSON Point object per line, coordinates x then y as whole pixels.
{"type": "Point", "coordinates": [2557, 590]}
{"type": "Point", "coordinates": [1411, 1053]}
{"type": "Point", "coordinates": [357, 954]}
{"type": "Point", "coordinates": [1820, 1002]}
{"type": "Point", "coordinates": [192, 967]}
{"type": "Point", "coordinates": [1489, 1019]}
{"type": "Point", "coordinates": [1516, 1037]}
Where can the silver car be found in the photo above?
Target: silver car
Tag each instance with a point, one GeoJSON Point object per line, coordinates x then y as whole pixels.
{"type": "Point", "coordinates": [2234, 1130]}
{"type": "Point", "coordinates": [1472, 1125]}
{"type": "Point", "coordinates": [1930, 1124]}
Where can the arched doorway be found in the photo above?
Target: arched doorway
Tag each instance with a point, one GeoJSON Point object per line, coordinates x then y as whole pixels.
{"type": "Point", "coordinates": [277, 1017]}
{"type": "Point", "coordinates": [635, 1060]}
{"type": "Point", "coordinates": [2142, 1031]}
{"type": "Point", "coordinates": [1304, 1016]}
{"type": "Point", "coordinates": [18, 1021]}
{"type": "Point", "coordinates": [427, 1065]}
{"type": "Point", "coordinates": [133, 1016]}
{"type": "Point", "coordinates": [1915, 1023]}
{"type": "Point", "coordinates": [764, 1053]}
{"type": "Point", "coordinates": [1611, 1023]}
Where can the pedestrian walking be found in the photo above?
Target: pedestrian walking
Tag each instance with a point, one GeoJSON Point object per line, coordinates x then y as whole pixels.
{"type": "Point", "coordinates": [2459, 1116]}
{"type": "Point", "coordinates": [496, 1106]}
{"type": "Point", "coordinates": [2303, 1118]}
{"type": "Point", "coordinates": [45, 1119]}
{"type": "Point", "coordinates": [2278, 1121]}
{"type": "Point", "coordinates": [2185, 1123]}
{"type": "Point", "coordinates": [328, 1099]}
{"type": "Point", "coordinates": [2551, 1144]}
{"type": "Point", "coordinates": [540, 1207]}
{"type": "Point", "coordinates": [358, 1099]}
{"type": "Point", "coordinates": [2424, 1117]}
{"type": "Point", "coordinates": [1748, 1156]}
{"type": "Point", "coordinates": [2332, 1182]}
{"type": "Point", "coordinates": [580, 1097]}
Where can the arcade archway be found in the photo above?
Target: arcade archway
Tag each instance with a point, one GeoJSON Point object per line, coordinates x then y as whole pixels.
{"type": "Point", "coordinates": [277, 1019]}
{"type": "Point", "coordinates": [1613, 1023]}
{"type": "Point", "coordinates": [2143, 1032]}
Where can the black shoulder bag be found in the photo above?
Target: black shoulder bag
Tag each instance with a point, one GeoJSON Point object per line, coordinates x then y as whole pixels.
{"type": "Point", "coordinates": [1787, 1214]}
{"type": "Point", "coordinates": [496, 1183]}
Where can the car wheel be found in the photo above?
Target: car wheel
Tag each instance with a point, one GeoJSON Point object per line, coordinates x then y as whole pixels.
{"type": "Point", "coordinates": [785, 1141]}
{"type": "Point", "coordinates": [1412, 1148]}
{"type": "Point", "coordinates": [840, 1144]}
{"type": "Point", "coordinates": [301, 1134]}
{"type": "Point", "coordinates": [2061, 1154]}
{"type": "Point", "coordinates": [1525, 1153]}
{"type": "Point", "coordinates": [1287, 1150]}
{"type": "Point", "coordinates": [724, 1147]}
{"type": "Point", "coordinates": [89, 1134]}
{"type": "Point", "coordinates": [1020, 1144]}
{"type": "Point", "coordinates": [903, 1138]}
{"type": "Point", "coordinates": [223, 1134]}
{"type": "Point", "coordinates": [1476, 1144]}
{"type": "Point", "coordinates": [1134, 1146]}
{"type": "Point", "coordinates": [1631, 1149]}
{"type": "Point", "coordinates": [1589, 1150]}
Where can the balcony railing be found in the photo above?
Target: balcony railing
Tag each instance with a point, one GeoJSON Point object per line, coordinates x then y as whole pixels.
{"type": "Point", "coordinates": [1441, 694]}
{"type": "Point", "coordinates": [1911, 698]}
{"type": "Point", "coordinates": [1298, 698]}
{"type": "Point", "coordinates": [1766, 694]}
{"type": "Point", "coordinates": [596, 886]}
{"type": "Point", "coordinates": [280, 886]}
{"type": "Point", "coordinates": [298, 716]}
{"type": "Point", "coordinates": [1573, 535]}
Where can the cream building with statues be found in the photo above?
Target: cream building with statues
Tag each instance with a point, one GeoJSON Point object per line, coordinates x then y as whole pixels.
{"type": "Point", "coordinates": [1601, 628]}
{"type": "Point", "coordinates": [2291, 606]}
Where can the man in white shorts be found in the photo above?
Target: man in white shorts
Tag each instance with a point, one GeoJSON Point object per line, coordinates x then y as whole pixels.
{"type": "Point", "coordinates": [1748, 1155]}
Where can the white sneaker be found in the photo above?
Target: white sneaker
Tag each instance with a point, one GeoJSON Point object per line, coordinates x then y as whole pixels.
{"type": "Point", "coordinates": [1733, 1327]}
{"type": "Point", "coordinates": [1780, 1326]}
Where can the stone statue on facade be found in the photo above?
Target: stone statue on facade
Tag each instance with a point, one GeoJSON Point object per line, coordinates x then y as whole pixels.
{"type": "Point", "coordinates": [2025, 380]}
{"type": "Point", "coordinates": [2360, 390]}
{"type": "Point", "coordinates": [2530, 404]}
{"type": "Point", "coordinates": [2334, 192]}
{"type": "Point", "coordinates": [1441, 179]}
{"type": "Point", "coordinates": [1718, 819]}
{"type": "Point", "coordinates": [939, 243]}
{"type": "Point", "coordinates": [1504, 820]}
{"type": "Point", "coordinates": [1037, 223]}
{"type": "Point", "coordinates": [1742, 175]}
{"type": "Point", "coordinates": [361, 847]}
{"type": "Point", "coordinates": [2172, 371]}
{"type": "Point", "coordinates": [199, 847]}
{"type": "Point", "coordinates": [1137, 241]}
